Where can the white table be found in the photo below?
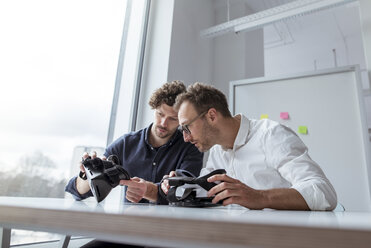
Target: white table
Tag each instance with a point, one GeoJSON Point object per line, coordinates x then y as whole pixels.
{"type": "Point", "coordinates": [167, 226]}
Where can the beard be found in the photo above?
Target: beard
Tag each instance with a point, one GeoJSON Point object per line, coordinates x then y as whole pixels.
{"type": "Point", "coordinates": [162, 132]}
{"type": "Point", "coordinates": [207, 139]}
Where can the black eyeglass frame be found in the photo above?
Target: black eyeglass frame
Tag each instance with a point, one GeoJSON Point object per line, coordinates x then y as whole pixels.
{"type": "Point", "coordinates": [185, 128]}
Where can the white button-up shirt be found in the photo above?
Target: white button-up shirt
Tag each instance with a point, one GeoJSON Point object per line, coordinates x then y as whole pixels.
{"type": "Point", "coordinates": [268, 155]}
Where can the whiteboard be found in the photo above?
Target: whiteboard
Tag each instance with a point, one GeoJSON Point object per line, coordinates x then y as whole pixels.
{"type": "Point", "coordinates": [330, 104]}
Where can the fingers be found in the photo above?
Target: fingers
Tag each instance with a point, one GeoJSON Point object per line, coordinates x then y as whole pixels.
{"type": "Point", "coordinates": [227, 192]}
{"type": "Point", "coordinates": [165, 184]}
{"type": "Point", "coordinates": [93, 154]}
{"type": "Point", "coordinates": [82, 168]}
{"type": "Point", "coordinates": [136, 189]}
{"type": "Point", "coordinates": [219, 188]}
{"type": "Point", "coordinates": [171, 174]}
{"type": "Point", "coordinates": [132, 196]}
{"type": "Point", "coordinates": [136, 179]}
{"type": "Point", "coordinates": [133, 182]}
{"type": "Point", "coordinates": [221, 177]}
{"type": "Point", "coordinates": [231, 200]}
{"type": "Point", "coordinates": [85, 155]}
{"type": "Point", "coordinates": [227, 196]}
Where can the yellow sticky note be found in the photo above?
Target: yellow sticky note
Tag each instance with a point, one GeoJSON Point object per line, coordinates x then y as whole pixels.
{"type": "Point", "coordinates": [263, 116]}
{"type": "Point", "coordinates": [303, 129]}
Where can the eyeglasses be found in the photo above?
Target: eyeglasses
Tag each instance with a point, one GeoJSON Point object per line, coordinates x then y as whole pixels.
{"type": "Point", "coordinates": [185, 127]}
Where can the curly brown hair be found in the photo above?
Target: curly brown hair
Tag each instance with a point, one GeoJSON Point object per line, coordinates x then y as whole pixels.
{"type": "Point", "coordinates": [166, 94]}
{"type": "Point", "coordinates": [203, 97]}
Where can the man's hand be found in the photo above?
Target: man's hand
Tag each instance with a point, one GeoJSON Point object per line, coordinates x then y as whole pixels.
{"type": "Point", "coordinates": [232, 191]}
{"type": "Point", "coordinates": [165, 183]}
{"type": "Point", "coordinates": [85, 156]}
{"type": "Point", "coordinates": [82, 186]}
{"type": "Point", "coordinates": [138, 188]}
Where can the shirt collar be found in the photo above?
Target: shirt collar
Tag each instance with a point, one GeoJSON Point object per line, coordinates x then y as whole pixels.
{"type": "Point", "coordinates": [146, 131]}
{"type": "Point", "coordinates": [243, 132]}
{"type": "Point", "coordinates": [170, 141]}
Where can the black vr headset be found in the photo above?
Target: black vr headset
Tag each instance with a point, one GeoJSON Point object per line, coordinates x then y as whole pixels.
{"type": "Point", "coordinates": [186, 190]}
{"type": "Point", "coordinates": [103, 175]}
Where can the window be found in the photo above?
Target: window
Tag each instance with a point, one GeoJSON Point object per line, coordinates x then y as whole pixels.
{"type": "Point", "coordinates": [58, 68]}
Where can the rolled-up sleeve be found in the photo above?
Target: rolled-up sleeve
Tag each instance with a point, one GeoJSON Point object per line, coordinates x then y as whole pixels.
{"type": "Point", "coordinates": [289, 155]}
{"type": "Point", "coordinates": [71, 188]}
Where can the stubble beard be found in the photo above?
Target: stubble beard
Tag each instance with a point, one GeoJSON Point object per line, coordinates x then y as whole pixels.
{"type": "Point", "coordinates": [208, 134]}
{"type": "Point", "coordinates": [161, 135]}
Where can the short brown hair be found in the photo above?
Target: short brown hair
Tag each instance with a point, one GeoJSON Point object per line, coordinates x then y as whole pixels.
{"type": "Point", "coordinates": [166, 94]}
{"type": "Point", "coordinates": [203, 97]}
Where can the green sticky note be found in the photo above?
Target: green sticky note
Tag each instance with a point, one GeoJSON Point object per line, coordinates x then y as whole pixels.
{"type": "Point", "coordinates": [263, 116]}
{"type": "Point", "coordinates": [303, 129]}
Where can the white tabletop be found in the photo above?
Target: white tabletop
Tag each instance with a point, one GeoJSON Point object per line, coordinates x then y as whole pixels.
{"type": "Point", "coordinates": [232, 226]}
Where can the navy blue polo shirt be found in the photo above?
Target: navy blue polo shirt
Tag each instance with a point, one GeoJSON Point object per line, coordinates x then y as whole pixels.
{"type": "Point", "coordinates": [142, 160]}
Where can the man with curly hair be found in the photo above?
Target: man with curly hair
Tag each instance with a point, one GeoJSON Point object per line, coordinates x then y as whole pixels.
{"type": "Point", "coordinates": [150, 153]}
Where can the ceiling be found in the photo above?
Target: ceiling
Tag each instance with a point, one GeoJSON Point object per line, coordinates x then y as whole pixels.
{"type": "Point", "coordinates": [335, 22]}
{"type": "Point", "coordinates": [254, 5]}
{"type": "Point", "coordinates": [259, 5]}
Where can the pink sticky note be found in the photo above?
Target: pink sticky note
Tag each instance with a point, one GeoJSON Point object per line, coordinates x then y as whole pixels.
{"type": "Point", "coordinates": [284, 115]}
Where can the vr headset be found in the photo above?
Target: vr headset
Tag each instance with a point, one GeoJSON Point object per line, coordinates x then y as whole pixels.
{"type": "Point", "coordinates": [103, 175]}
{"type": "Point", "coordinates": [186, 190]}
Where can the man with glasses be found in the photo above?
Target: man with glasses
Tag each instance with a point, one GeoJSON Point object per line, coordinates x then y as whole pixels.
{"type": "Point", "coordinates": [150, 153]}
{"type": "Point", "coordinates": [267, 164]}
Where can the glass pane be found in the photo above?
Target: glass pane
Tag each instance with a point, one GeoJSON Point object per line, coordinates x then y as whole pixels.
{"type": "Point", "coordinates": [129, 71]}
{"type": "Point", "coordinates": [58, 67]}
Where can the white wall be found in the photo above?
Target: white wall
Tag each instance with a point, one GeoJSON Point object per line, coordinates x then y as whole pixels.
{"type": "Point", "coordinates": [237, 56]}
{"type": "Point", "coordinates": [191, 56]}
{"type": "Point", "coordinates": [314, 38]}
{"type": "Point", "coordinates": [214, 61]}
{"type": "Point", "coordinates": [175, 50]}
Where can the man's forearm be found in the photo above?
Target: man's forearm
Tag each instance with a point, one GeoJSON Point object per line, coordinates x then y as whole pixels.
{"type": "Point", "coordinates": [286, 199]}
